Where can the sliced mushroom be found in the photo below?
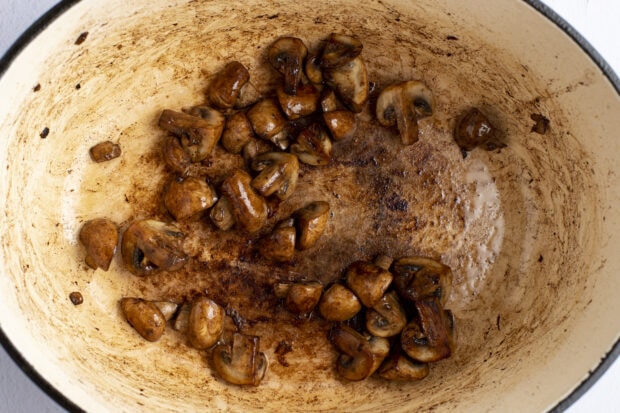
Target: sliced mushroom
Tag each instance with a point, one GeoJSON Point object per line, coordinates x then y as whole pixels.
{"type": "Point", "coordinates": [362, 355]}
{"type": "Point", "coordinates": [226, 85]}
{"type": "Point", "coordinates": [426, 337]}
{"type": "Point", "coordinates": [368, 281]}
{"type": "Point", "coordinates": [403, 104]}
{"type": "Point", "coordinates": [384, 261]}
{"type": "Point", "coordinates": [350, 82]}
{"type": "Point", "coordinates": [237, 132]}
{"type": "Point", "coordinates": [222, 214]}
{"type": "Point", "coordinates": [313, 146]}
{"type": "Point", "coordinates": [100, 238]}
{"type": "Point", "coordinates": [167, 308]}
{"type": "Point", "coordinates": [279, 245]}
{"type": "Point", "coordinates": [249, 208]}
{"type": "Point", "coordinates": [450, 323]}
{"type": "Point", "coordinates": [340, 49]}
{"type": "Point", "coordinates": [254, 148]}
{"type": "Point", "coordinates": [311, 221]}
{"type": "Point", "coordinates": [475, 129]}
{"type": "Point", "coordinates": [387, 317]}
{"type": "Point", "coordinates": [267, 120]}
{"type": "Point", "coordinates": [302, 298]}
{"type": "Point", "coordinates": [188, 198]}
{"type": "Point", "coordinates": [313, 69]}
{"type": "Point", "coordinates": [339, 303]}
{"type": "Point", "coordinates": [105, 151]}
{"type": "Point", "coordinates": [240, 362]}
{"type": "Point", "coordinates": [181, 321]}
{"type": "Point", "coordinates": [144, 317]}
{"type": "Point", "coordinates": [399, 367]}
{"type": "Point", "coordinates": [304, 103]}
{"type": "Point", "coordinates": [379, 348]}
{"type": "Point", "coordinates": [205, 323]}
{"type": "Point", "coordinates": [248, 96]}
{"type": "Point", "coordinates": [341, 124]}
{"type": "Point", "coordinates": [287, 55]}
{"type": "Point", "coordinates": [278, 175]}
{"type": "Point", "coordinates": [175, 156]}
{"type": "Point", "coordinates": [149, 246]}
{"type": "Point", "coordinates": [198, 135]}
{"type": "Point", "coordinates": [421, 278]}
{"type": "Point", "coordinates": [329, 101]}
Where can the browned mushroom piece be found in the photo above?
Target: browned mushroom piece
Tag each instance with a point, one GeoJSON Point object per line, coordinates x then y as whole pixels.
{"type": "Point", "coordinates": [313, 69]}
{"type": "Point", "coordinates": [474, 129]}
{"type": "Point", "coordinates": [205, 323]}
{"type": "Point", "coordinates": [222, 214]}
{"type": "Point", "coordinates": [368, 281]}
{"type": "Point", "coordinates": [278, 175]}
{"type": "Point", "coordinates": [339, 303]}
{"type": "Point", "coordinates": [426, 337]}
{"type": "Point", "coordinates": [237, 132]}
{"type": "Point", "coordinates": [350, 82]}
{"type": "Point", "coordinates": [198, 134]}
{"type": "Point", "coordinates": [313, 146]}
{"type": "Point", "coordinates": [100, 238]}
{"type": "Point", "coordinates": [341, 124]}
{"type": "Point", "coordinates": [149, 246]}
{"type": "Point", "coordinates": [248, 96]}
{"type": "Point", "coordinates": [311, 221]}
{"type": "Point", "coordinates": [144, 317]}
{"type": "Point", "coordinates": [181, 320]}
{"type": "Point", "coordinates": [254, 148]}
{"type": "Point", "coordinates": [339, 50]}
{"type": "Point", "coordinates": [105, 151]}
{"type": "Point", "coordinates": [226, 85]}
{"type": "Point", "coordinates": [240, 362]}
{"type": "Point", "coordinates": [304, 103]}
{"type": "Point", "coordinates": [268, 122]}
{"type": "Point", "coordinates": [361, 355]}
{"type": "Point", "coordinates": [287, 55]}
{"type": "Point", "coordinates": [421, 278]}
{"type": "Point", "coordinates": [249, 208]}
{"type": "Point", "coordinates": [329, 101]}
{"type": "Point", "coordinates": [175, 156]}
{"type": "Point", "coordinates": [384, 261]}
{"type": "Point", "coordinates": [387, 317]}
{"type": "Point", "coordinates": [398, 367]}
{"type": "Point", "coordinates": [279, 245]}
{"type": "Point", "coordinates": [168, 308]}
{"type": "Point", "coordinates": [302, 298]}
{"type": "Point", "coordinates": [187, 198]}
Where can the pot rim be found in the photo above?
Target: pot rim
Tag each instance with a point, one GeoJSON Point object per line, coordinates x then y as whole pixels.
{"type": "Point", "coordinates": [51, 15]}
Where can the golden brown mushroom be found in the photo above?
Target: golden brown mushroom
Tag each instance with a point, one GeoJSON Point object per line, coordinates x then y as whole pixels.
{"type": "Point", "coordinates": [144, 317]}
{"type": "Point", "coordinates": [279, 245]}
{"type": "Point", "coordinates": [313, 146]}
{"type": "Point", "coordinates": [311, 221]}
{"type": "Point", "coordinates": [175, 156]}
{"type": "Point", "coordinates": [287, 55]}
{"type": "Point", "coordinates": [205, 323]}
{"type": "Point", "coordinates": [387, 317]}
{"type": "Point", "coordinates": [269, 123]}
{"type": "Point", "coordinates": [226, 85]}
{"type": "Point", "coordinates": [249, 208]}
{"type": "Point", "coordinates": [339, 303]}
{"type": "Point", "coordinates": [361, 355]}
{"type": "Point", "coordinates": [339, 50]}
{"type": "Point", "coordinates": [475, 129]}
{"type": "Point", "coordinates": [167, 308]}
{"type": "Point", "coordinates": [240, 362]}
{"type": "Point", "coordinates": [399, 367]}
{"type": "Point", "coordinates": [313, 69]}
{"type": "Point", "coordinates": [100, 238]}
{"type": "Point", "coordinates": [421, 278]}
{"type": "Point", "coordinates": [341, 124]}
{"type": "Point", "coordinates": [368, 281]}
{"type": "Point", "coordinates": [350, 82]}
{"type": "Point", "coordinates": [237, 132]}
{"type": "Point", "coordinates": [426, 338]}
{"type": "Point", "coordinates": [278, 175]}
{"type": "Point", "coordinates": [302, 298]}
{"type": "Point", "coordinates": [105, 151]}
{"type": "Point", "coordinates": [222, 214]}
{"type": "Point", "coordinates": [187, 198]}
{"type": "Point", "coordinates": [304, 103]}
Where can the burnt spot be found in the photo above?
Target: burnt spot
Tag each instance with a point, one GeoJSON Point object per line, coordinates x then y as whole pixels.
{"type": "Point", "coordinates": [81, 38]}
{"type": "Point", "coordinates": [44, 132]}
{"type": "Point", "coordinates": [395, 202]}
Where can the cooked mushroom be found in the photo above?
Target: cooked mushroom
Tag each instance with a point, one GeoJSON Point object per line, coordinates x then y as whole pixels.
{"type": "Point", "coordinates": [311, 221]}
{"type": "Point", "coordinates": [399, 367]}
{"type": "Point", "coordinates": [350, 82]}
{"type": "Point", "coordinates": [379, 348]}
{"type": "Point", "coordinates": [105, 151]}
{"type": "Point", "coordinates": [426, 337]}
{"type": "Point", "coordinates": [313, 146]}
{"type": "Point", "coordinates": [403, 104]}
{"type": "Point", "coordinates": [100, 238]}
{"type": "Point", "coordinates": [341, 124]}
{"type": "Point", "coordinates": [240, 362]}
{"type": "Point", "coordinates": [387, 317]}
{"type": "Point", "coordinates": [249, 208]}
{"type": "Point", "coordinates": [384, 261]}
{"type": "Point", "coordinates": [368, 281]}
{"type": "Point", "coordinates": [278, 174]}
{"type": "Point", "coordinates": [226, 85]}
{"type": "Point", "coordinates": [268, 122]}
{"type": "Point", "coordinates": [302, 298]}
{"type": "Point", "coordinates": [181, 321]}
{"type": "Point", "coordinates": [254, 148]}
{"type": "Point", "coordinates": [175, 156]}
{"type": "Point", "coordinates": [339, 303]}
{"type": "Point", "coordinates": [304, 103]}
{"type": "Point", "coordinates": [144, 317]}
{"type": "Point", "coordinates": [340, 49]}
{"type": "Point", "coordinates": [198, 134]}
{"type": "Point", "coordinates": [329, 101]}
{"type": "Point", "coordinates": [188, 198]}
{"type": "Point", "coordinates": [222, 214]}
{"type": "Point", "coordinates": [237, 132]}
{"type": "Point", "coordinates": [475, 129]}
{"type": "Point", "coordinates": [421, 278]}
{"type": "Point", "coordinates": [248, 96]}
{"type": "Point", "coordinates": [287, 55]}
{"type": "Point", "coordinates": [361, 355]}
{"type": "Point", "coordinates": [279, 245]}
{"type": "Point", "coordinates": [205, 323]}
{"type": "Point", "coordinates": [149, 246]}
{"type": "Point", "coordinates": [168, 308]}
{"type": "Point", "coordinates": [280, 290]}
{"type": "Point", "coordinates": [313, 69]}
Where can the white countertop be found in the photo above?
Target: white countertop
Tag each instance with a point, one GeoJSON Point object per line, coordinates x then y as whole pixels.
{"type": "Point", "coordinates": [597, 20]}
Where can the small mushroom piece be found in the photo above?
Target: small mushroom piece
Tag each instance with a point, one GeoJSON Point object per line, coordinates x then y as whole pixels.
{"type": "Point", "coordinates": [287, 55]}
{"type": "Point", "coordinates": [279, 245]}
{"type": "Point", "coordinates": [168, 308]}
{"type": "Point", "coordinates": [205, 323]}
{"type": "Point", "coordinates": [329, 101]}
{"type": "Point", "coordinates": [278, 175]}
{"type": "Point", "coordinates": [368, 281]}
{"type": "Point", "coordinates": [426, 337]}
{"type": "Point", "coordinates": [144, 317]}
{"type": "Point", "coordinates": [181, 321]}
{"type": "Point", "coordinates": [421, 278]}
{"type": "Point", "coordinates": [311, 221]}
{"type": "Point", "coordinates": [280, 290]}
{"type": "Point", "coordinates": [399, 367]}
{"type": "Point", "coordinates": [350, 82]}
{"type": "Point", "coordinates": [249, 208]}
{"type": "Point", "coordinates": [341, 124]}
{"type": "Point", "coordinates": [361, 355]}
{"type": "Point", "coordinates": [379, 348]}
{"type": "Point", "coordinates": [475, 129]}
{"type": "Point", "coordinates": [302, 298]}
{"type": "Point", "coordinates": [387, 317]}
{"type": "Point", "coordinates": [304, 103]}
{"type": "Point", "coordinates": [384, 261]}
{"type": "Point", "coordinates": [149, 246]}
{"type": "Point", "coordinates": [248, 96]}
{"type": "Point", "coordinates": [237, 132]}
{"type": "Point", "coordinates": [105, 151]}
{"type": "Point", "coordinates": [339, 50]}
{"type": "Point", "coordinates": [198, 134]}
{"type": "Point", "coordinates": [240, 362]}
{"type": "Point", "coordinates": [226, 85]}
{"type": "Point", "coordinates": [339, 303]}
{"type": "Point", "coordinates": [100, 238]}
{"type": "Point", "coordinates": [175, 156]}
{"type": "Point", "coordinates": [403, 104]}
{"type": "Point", "coordinates": [267, 120]}
{"type": "Point", "coordinates": [188, 198]}
{"type": "Point", "coordinates": [254, 148]}
{"type": "Point", "coordinates": [222, 214]}
{"type": "Point", "coordinates": [313, 146]}
{"type": "Point", "coordinates": [313, 69]}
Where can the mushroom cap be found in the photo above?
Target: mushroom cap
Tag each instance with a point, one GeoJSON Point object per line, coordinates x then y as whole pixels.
{"type": "Point", "coordinates": [313, 146]}
{"type": "Point", "coordinates": [340, 49]}
{"type": "Point", "coordinates": [426, 337]}
{"type": "Point", "coordinates": [249, 208]}
{"type": "Point", "coordinates": [188, 198]}
{"type": "Point", "coordinates": [302, 298]}
{"type": "Point", "coordinates": [226, 85]}
{"type": "Point", "coordinates": [279, 245]}
{"type": "Point", "coordinates": [368, 281]}
{"type": "Point", "coordinates": [144, 317]}
{"type": "Point", "coordinates": [350, 82]}
{"type": "Point", "coordinates": [237, 132]}
{"type": "Point", "coordinates": [356, 361]}
{"type": "Point", "coordinates": [198, 131]}
{"type": "Point", "coordinates": [399, 367]}
{"type": "Point", "coordinates": [418, 278]}
{"type": "Point", "coordinates": [266, 118]}
{"type": "Point", "coordinates": [278, 175]}
{"type": "Point", "coordinates": [205, 323]}
{"type": "Point", "coordinates": [100, 238]}
{"type": "Point", "coordinates": [339, 303]}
